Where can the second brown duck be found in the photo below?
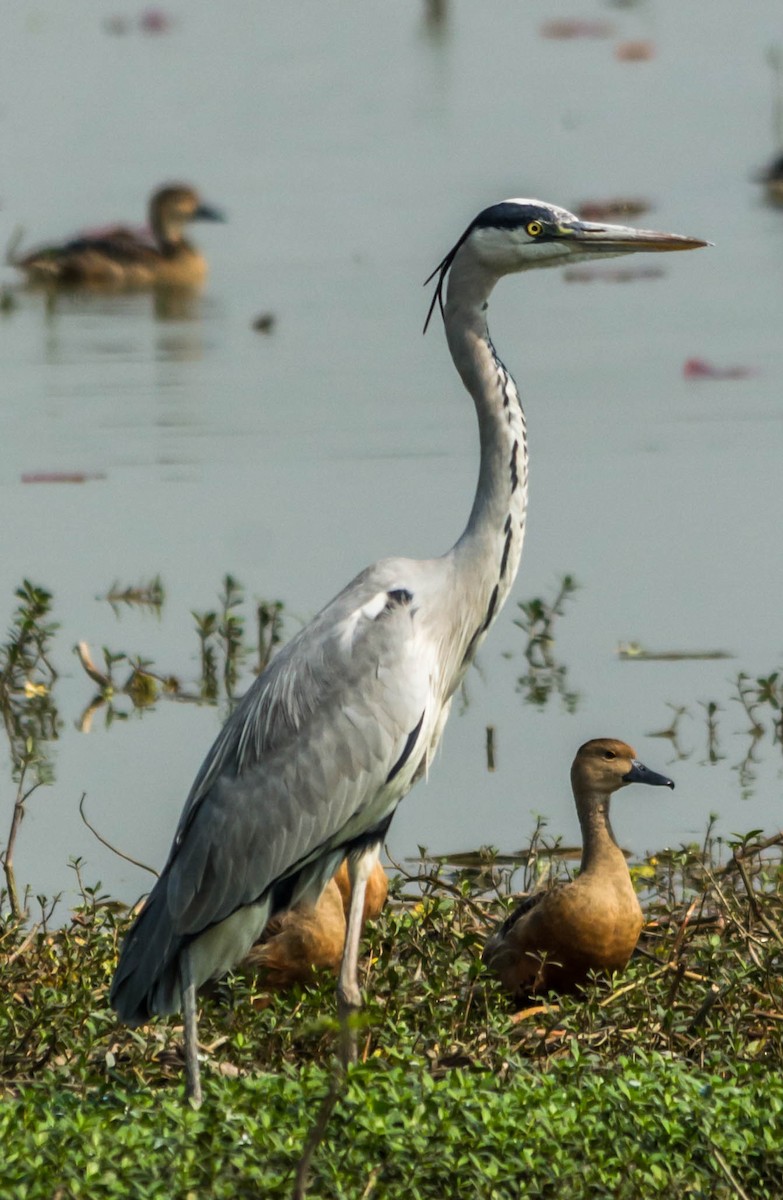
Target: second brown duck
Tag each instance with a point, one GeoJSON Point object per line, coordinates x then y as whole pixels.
{"type": "Point", "coordinates": [554, 938]}
{"type": "Point", "coordinates": [311, 937]}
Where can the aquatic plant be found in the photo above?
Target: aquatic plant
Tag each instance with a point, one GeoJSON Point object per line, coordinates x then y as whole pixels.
{"type": "Point", "coordinates": [545, 676]}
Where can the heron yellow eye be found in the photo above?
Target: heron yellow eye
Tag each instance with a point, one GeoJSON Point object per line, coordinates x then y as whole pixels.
{"type": "Point", "coordinates": [534, 228]}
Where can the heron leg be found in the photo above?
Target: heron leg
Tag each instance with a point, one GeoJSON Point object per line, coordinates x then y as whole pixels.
{"type": "Point", "coordinates": [349, 996]}
{"type": "Point", "coordinates": [190, 1023]}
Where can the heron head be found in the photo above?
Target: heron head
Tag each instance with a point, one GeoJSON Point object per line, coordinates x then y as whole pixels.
{"type": "Point", "coordinates": [605, 765]}
{"type": "Point", "coordinates": [517, 235]}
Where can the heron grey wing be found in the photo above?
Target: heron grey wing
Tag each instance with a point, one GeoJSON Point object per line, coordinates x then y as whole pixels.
{"type": "Point", "coordinates": [318, 661]}
{"type": "Point", "coordinates": [319, 752]}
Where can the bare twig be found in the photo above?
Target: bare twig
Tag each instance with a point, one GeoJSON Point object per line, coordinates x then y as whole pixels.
{"type": "Point", "coordinates": [683, 926]}
{"type": "Point", "coordinates": [120, 854]}
{"type": "Point", "coordinates": [316, 1133]}
{"type": "Point", "coordinates": [7, 857]}
{"type": "Point", "coordinates": [727, 1171]}
{"type": "Point", "coordinates": [750, 850]}
{"type": "Point", "coordinates": [24, 946]}
{"type": "Point", "coordinates": [754, 904]}
{"type": "Point", "coordinates": [372, 1179]}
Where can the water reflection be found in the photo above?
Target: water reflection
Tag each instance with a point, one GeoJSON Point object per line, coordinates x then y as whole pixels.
{"type": "Point", "coordinates": [224, 648]}
{"type": "Point", "coordinates": [234, 642]}
{"type": "Point", "coordinates": [545, 676]}
{"type": "Point", "coordinates": [761, 701]}
{"type": "Point", "coordinates": [70, 339]}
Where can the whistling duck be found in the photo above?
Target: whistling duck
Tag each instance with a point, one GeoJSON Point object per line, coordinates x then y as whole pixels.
{"type": "Point", "coordinates": [120, 257]}
{"type": "Point", "coordinates": [555, 937]}
{"type": "Point", "coordinates": [310, 937]}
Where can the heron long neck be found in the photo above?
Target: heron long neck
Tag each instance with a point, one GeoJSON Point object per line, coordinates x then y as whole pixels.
{"type": "Point", "coordinates": [486, 557]}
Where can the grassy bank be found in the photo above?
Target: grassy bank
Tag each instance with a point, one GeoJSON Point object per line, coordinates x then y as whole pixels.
{"type": "Point", "coordinates": [664, 1082]}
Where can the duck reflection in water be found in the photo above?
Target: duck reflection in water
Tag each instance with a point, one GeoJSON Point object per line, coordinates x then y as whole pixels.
{"type": "Point", "coordinates": [121, 258]}
{"type": "Point", "coordinates": [554, 938]}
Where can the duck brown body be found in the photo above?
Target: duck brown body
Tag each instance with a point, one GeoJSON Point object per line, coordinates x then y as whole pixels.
{"type": "Point", "coordinates": [554, 938]}
{"type": "Point", "coordinates": [121, 258]}
{"type": "Point", "coordinates": [312, 937]}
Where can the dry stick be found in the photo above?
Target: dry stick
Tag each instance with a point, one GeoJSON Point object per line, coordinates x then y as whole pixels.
{"type": "Point", "coordinates": [24, 946]}
{"type": "Point", "coordinates": [8, 857]}
{"type": "Point", "coordinates": [103, 841]}
{"type": "Point", "coordinates": [749, 851]}
{"type": "Point", "coordinates": [694, 976]}
{"type": "Point", "coordinates": [316, 1133]}
{"type": "Point", "coordinates": [372, 1179]}
{"type": "Point", "coordinates": [727, 1171]}
{"type": "Point", "coordinates": [754, 904]}
{"type": "Point", "coordinates": [683, 926]}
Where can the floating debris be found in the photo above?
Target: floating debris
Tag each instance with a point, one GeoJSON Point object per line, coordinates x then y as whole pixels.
{"type": "Point", "coordinates": [264, 322]}
{"type": "Point", "coordinates": [633, 650]}
{"type": "Point", "coordinates": [61, 476]}
{"type": "Point", "coordinates": [154, 20]}
{"type": "Point", "coordinates": [575, 28]}
{"type": "Point", "coordinates": [699, 368]}
{"type": "Point", "coordinates": [639, 51]}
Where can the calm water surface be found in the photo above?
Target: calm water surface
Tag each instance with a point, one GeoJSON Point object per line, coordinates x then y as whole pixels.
{"type": "Point", "coordinates": [350, 143]}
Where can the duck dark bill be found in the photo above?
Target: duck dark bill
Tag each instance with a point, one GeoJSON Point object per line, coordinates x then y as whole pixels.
{"type": "Point", "coordinates": [639, 773]}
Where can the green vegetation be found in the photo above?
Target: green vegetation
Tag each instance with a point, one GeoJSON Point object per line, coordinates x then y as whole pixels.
{"type": "Point", "coordinates": [663, 1082]}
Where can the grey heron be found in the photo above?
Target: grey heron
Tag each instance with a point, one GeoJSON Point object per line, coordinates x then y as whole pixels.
{"type": "Point", "coordinates": [555, 937]}
{"type": "Point", "coordinates": [312, 764]}
{"type": "Point", "coordinates": [119, 257]}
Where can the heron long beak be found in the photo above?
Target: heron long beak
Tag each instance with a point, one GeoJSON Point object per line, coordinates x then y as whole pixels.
{"type": "Point", "coordinates": [205, 212]}
{"type": "Point", "coordinates": [639, 773]}
{"type": "Point", "coordinates": [619, 239]}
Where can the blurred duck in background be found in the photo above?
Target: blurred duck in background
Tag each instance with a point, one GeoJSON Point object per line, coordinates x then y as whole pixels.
{"type": "Point", "coordinates": [120, 257]}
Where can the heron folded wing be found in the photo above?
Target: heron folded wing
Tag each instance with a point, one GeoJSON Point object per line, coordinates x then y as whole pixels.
{"type": "Point", "coordinates": [305, 764]}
